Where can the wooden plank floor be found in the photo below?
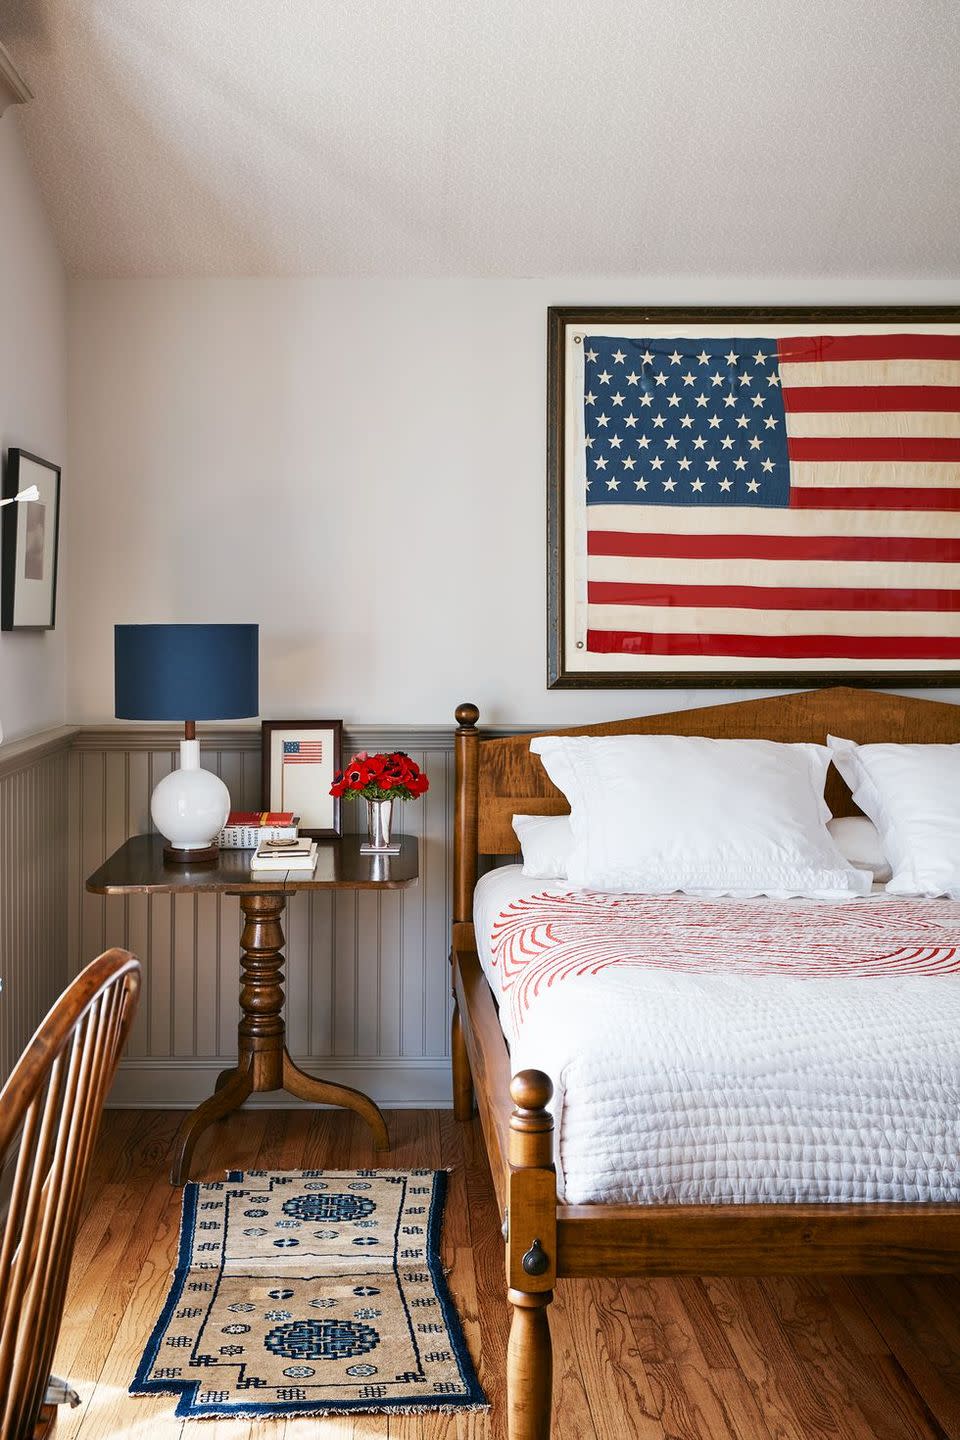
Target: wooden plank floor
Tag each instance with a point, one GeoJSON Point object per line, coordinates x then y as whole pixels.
{"type": "Point", "coordinates": [697, 1359]}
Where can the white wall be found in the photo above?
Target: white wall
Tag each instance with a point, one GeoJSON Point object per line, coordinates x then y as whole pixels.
{"type": "Point", "coordinates": [32, 413]}
{"type": "Point", "coordinates": [358, 465]}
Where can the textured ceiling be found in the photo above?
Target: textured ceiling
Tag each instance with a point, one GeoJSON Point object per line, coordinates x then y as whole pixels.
{"type": "Point", "coordinates": [494, 137]}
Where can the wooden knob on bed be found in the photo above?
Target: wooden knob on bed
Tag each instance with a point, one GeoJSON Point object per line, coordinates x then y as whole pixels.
{"type": "Point", "coordinates": [531, 1090]}
{"type": "Point", "coordinates": [467, 715]}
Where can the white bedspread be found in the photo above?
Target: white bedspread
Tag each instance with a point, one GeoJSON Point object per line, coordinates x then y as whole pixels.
{"type": "Point", "coordinates": [734, 1050]}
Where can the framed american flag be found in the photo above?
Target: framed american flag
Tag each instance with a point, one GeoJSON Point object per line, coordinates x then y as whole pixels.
{"type": "Point", "coordinates": [753, 497]}
{"type": "Point", "coordinates": [300, 759]}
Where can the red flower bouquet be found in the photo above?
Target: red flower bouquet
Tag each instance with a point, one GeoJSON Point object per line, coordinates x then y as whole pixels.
{"type": "Point", "coordinates": [380, 777]}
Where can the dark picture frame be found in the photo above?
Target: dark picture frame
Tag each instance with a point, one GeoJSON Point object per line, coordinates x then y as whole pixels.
{"type": "Point", "coordinates": [300, 783]}
{"type": "Point", "coordinates": [30, 544]}
{"type": "Point", "coordinates": [567, 667]}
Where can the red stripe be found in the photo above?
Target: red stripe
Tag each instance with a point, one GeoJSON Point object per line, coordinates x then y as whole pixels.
{"type": "Point", "coordinates": [772, 547]}
{"type": "Point", "coordinates": [880, 497]}
{"type": "Point", "coordinates": [872, 447]}
{"type": "Point", "coordinates": [772, 597]}
{"type": "Point", "coordinates": [796, 349]}
{"type": "Point", "coordinates": [807, 399]}
{"type": "Point", "coordinates": [777, 647]}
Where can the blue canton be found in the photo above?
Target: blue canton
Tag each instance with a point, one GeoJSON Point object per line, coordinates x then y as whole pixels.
{"type": "Point", "coordinates": [684, 422]}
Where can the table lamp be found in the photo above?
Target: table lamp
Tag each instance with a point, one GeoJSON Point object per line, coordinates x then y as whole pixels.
{"type": "Point", "coordinates": [188, 673]}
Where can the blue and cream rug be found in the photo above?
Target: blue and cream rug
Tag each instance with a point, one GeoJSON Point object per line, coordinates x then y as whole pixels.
{"type": "Point", "coordinates": [311, 1292]}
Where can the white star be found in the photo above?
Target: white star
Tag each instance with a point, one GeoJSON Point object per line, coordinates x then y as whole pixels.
{"type": "Point", "coordinates": [729, 400]}
{"type": "Point", "coordinates": [646, 358]}
{"type": "Point", "coordinates": [675, 358]}
{"type": "Point", "coordinates": [699, 443]}
{"type": "Point", "coordinates": [742, 422]}
{"type": "Point", "coordinates": [689, 378]}
{"type": "Point", "coordinates": [758, 400]}
{"type": "Point", "coordinates": [766, 465]}
{"type": "Point", "coordinates": [696, 485]}
{"type": "Point", "coordinates": [726, 443]}
{"type": "Point", "coordinates": [672, 442]}
{"type": "Point", "coordinates": [658, 422]}
{"type": "Point", "coordinates": [615, 441]}
{"type": "Point", "coordinates": [669, 484]}
{"type": "Point", "coordinates": [656, 463]}
{"type": "Point", "coordinates": [640, 484]}
{"type": "Point", "coordinates": [771, 422]}
{"type": "Point", "coordinates": [716, 378]}
{"type": "Point", "coordinates": [773, 379]}
{"type": "Point", "coordinates": [760, 358]}
{"type": "Point", "coordinates": [633, 378]}
{"type": "Point", "coordinates": [600, 462]}
{"type": "Point", "coordinates": [753, 486]}
{"type": "Point", "coordinates": [643, 442]}
{"type": "Point", "coordinates": [603, 419]}
{"type": "Point", "coordinates": [744, 378]}
{"type": "Point", "coordinates": [628, 462]}
{"type": "Point", "coordinates": [731, 357]}
{"type": "Point", "coordinates": [590, 398]}
{"type": "Point", "coordinates": [589, 483]}
{"type": "Point", "coordinates": [673, 400]}
{"type": "Point", "coordinates": [713, 464]}
{"type": "Point", "coordinates": [617, 399]}
{"type": "Point", "coordinates": [701, 400]}
{"type": "Point", "coordinates": [686, 422]}
{"type": "Point", "coordinates": [726, 485]}
{"type": "Point", "coordinates": [703, 357]}
{"type": "Point", "coordinates": [714, 422]}
{"type": "Point", "coordinates": [613, 484]}
{"type": "Point", "coordinates": [630, 421]}
{"type": "Point", "coordinates": [646, 398]}
{"type": "Point", "coordinates": [661, 379]}
{"type": "Point", "coordinates": [588, 441]}
{"type": "Point", "coordinates": [739, 463]}
{"type": "Point", "coordinates": [604, 377]}
{"type": "Point", "coordinates": [619, 356]}
{"type": "Point", "coordinates": [755, 442]}
{"type": "Point", "coordinates": [685, 464]}
{"type": "Point", "coordinates": [591, 354]}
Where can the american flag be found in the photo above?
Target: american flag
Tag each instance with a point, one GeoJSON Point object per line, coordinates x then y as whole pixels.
{"type": "Point", "coordinates": [791, 498]}
{"type": "Point", "coordinates": [302, 752]}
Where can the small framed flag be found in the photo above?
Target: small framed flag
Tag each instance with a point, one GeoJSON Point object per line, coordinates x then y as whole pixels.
{"type": "Point", "coordinates": [753, 497]}
{"type": "Point", "coordinates": [300, 759]}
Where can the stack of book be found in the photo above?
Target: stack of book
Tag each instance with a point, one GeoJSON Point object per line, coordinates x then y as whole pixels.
{"type": "Point", "coordinates": [282, 855]}
{"type": "Point", "coordinates": [245, 829]}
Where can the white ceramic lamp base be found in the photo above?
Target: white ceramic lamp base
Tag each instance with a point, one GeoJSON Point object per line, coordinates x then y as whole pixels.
{"type": "Point", "coordinates": [190, 807]}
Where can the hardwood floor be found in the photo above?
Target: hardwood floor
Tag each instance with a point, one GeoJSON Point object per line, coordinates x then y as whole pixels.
{"type": "Point", "coordinates": [696, 1359]}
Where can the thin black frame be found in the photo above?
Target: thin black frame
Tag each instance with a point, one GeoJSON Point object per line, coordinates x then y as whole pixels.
{"type": "Point", "coordinates": [267, 727]}
{"type": "Point", "coordinates": [8, 541]}
{"type": "Point", "coordinates": [559, 676]}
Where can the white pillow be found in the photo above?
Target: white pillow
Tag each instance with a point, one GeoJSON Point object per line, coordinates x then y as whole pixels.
{"type": "Point", "coordinates": [546, 842]}
{"type": "Point", "coordinates": [912, 795]}
{"type": "Point", "coordinates": [858, 841]}
{"type": "Point", "coordinates": [658, 813]}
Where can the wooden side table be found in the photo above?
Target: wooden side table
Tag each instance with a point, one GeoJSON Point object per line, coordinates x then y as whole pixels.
{"type": "Point", "coordinates": [263, 1061]}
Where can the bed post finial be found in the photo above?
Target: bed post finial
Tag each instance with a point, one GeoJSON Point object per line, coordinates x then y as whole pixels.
{"type": "Point", "coordinates": [466, 750]}
{"type": "Point", "coordinates": [531, 1256]}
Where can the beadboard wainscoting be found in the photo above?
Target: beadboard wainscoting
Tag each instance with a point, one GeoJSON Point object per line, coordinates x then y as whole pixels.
{"type": "Point", "coordinates": [35, 964]}
{"type": "Point", "coordinates": [367, 976]}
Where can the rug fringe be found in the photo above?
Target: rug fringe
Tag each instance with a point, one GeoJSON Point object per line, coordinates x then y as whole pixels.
{"type": "Point", "coordinates": [320, 1411]}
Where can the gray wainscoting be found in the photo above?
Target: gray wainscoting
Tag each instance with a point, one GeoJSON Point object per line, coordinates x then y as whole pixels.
{"type": "Point", "coordinates": [368, 992]}
{"type": "Point", "coordinates": [34, 960]}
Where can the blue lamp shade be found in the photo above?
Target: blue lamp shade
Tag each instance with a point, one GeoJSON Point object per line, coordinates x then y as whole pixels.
{"type": "Point", "coordinates": [186, 672]}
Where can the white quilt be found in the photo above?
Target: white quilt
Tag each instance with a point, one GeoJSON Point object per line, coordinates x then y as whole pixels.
{"type": "Point", "coordinates": [734, 1050]}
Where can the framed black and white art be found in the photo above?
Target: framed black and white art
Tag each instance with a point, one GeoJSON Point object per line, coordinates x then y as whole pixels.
{"type": "Point", "coordinates": [30, 541]}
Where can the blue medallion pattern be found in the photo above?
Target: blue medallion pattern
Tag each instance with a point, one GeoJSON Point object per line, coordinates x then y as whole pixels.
{"type": "Point", "coordinates": [328, 1207]}
{"type": "Point", "coordinates": [321, 1340]}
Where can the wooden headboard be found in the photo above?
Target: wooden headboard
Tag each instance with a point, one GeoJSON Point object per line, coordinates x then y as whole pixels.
{"type": "Point", "coordinates": [499, 778]}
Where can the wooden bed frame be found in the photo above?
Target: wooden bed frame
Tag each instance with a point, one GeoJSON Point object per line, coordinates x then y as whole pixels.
{"type": "Point", "coordinates": [498, 778]}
